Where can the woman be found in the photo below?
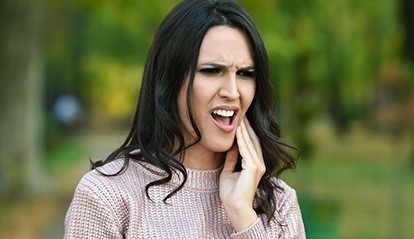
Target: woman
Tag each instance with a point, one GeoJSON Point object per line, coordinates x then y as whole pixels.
{"type": "Point", "coordinates": [204, 153]}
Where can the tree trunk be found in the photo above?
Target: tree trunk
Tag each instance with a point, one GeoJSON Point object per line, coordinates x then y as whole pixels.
{"type": "Point", "coordinates": [407, 7]}
{"type": "Point", "coordinates": [21, 87]}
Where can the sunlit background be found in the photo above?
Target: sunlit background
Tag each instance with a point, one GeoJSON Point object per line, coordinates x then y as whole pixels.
{"type": "Point", "coordinates": [343, 74]}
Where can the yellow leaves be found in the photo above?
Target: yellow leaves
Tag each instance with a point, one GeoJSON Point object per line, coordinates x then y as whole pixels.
{"type": "Point", "coordinates": [113, 89]}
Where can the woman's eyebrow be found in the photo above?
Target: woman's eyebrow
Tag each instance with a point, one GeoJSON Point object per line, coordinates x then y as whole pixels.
{"type": "Point", "coordinates": [212, 64]}
{"type": "Point", "coordinates": [248, 68]}
{"type": "Point", "coordinates": [221, 66]}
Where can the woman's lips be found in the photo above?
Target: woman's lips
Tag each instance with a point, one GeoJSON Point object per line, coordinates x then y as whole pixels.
{"type": "Point", "coordinates": [226, 124]}
{"type": "Point", "coordinates": [224, 117]}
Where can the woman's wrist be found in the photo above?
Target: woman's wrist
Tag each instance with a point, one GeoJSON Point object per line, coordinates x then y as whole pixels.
{"type": "Point", "coordinates": [241, 219]}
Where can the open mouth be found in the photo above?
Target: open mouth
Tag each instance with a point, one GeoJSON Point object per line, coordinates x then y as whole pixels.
{"type": "Point", "coordinates": [224, 117]}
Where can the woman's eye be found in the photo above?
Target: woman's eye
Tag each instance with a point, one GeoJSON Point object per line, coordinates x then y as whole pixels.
{"type": "Point", "coordinates": [210, 71]}
{"type": "Point", "coordinates": [246, 74]}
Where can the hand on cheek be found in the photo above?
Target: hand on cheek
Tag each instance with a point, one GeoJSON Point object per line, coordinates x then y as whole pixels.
{"type": "Point", "coordinates": [237, 189]}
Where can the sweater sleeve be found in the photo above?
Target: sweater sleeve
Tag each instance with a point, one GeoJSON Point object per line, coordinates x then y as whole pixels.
{"type": "Point", "coordinates": [255, 231]}
{"type": "Point", "coordinates": [90, 217]}
{"type": "Point", "coordinates": [289, 222]}
{"type": "Point", "coordinates": [291, 218]}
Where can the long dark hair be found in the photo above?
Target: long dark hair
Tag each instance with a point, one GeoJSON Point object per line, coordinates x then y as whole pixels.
{"type": "Point", "coordinates": [156, 135]}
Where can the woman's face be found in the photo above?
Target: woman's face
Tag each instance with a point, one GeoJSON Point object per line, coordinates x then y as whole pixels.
{"type": "Point", "coordinates": [223, 89]}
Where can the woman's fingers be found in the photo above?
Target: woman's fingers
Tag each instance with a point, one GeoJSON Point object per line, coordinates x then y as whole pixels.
{"type": "Point", "coordinates": [231, 159]}
{"type": "Point", "coordinates": [243, 148]}
{"type": "Point", "coordinates": [247, 140]}
{"type": "Point", "coordinates": [237, 189]}
{"type": "Point", "coordinates": [250, 148]}
{"type": "Point", "coordinates": [253, 137]}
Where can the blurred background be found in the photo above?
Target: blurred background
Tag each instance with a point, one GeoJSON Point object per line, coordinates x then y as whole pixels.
{"type": "Point", "coordinates": [343, 74]}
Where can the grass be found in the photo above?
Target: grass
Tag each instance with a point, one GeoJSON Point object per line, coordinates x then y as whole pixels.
{"type": "Point", "coordinates": [31, 215]}
{"type": "Point", "coordinates": [26, 218]}
{"type": "Point", "coordinates": [356, 187]}
{"type": "Point", "coordinates": [367, 176]}
{"type": "Point", "coordinates": [69, 153]}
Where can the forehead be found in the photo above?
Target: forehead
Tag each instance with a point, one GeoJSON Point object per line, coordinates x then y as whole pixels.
{"type": "Point", "coordinates": [226, 45]}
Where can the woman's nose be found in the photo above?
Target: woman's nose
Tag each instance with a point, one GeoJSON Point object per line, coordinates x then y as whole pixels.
{"type": "Point", "coordinates": [229, 89]}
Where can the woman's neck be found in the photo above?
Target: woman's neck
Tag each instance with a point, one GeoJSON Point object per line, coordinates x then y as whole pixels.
{"type": "Point", "coordinates": [196, 157]}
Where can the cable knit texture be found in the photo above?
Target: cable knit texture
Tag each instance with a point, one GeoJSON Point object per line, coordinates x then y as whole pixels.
{"type": "Point", "coordinates": [117, 207]}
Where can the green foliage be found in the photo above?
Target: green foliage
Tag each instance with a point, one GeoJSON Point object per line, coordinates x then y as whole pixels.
{"type": "Point", "coordinates": [326, 56]}
{"type": "Point", "coordinates": [96, 50]}
{"type": "Point", "coordinates": [63, 157]}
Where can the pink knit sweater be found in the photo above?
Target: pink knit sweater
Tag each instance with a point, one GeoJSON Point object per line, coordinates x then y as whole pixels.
{"type": "Point", "coordinates": [117, 207]}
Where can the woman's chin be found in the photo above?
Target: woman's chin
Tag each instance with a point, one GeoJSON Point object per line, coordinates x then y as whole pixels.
{"type": "Point", "coordinates": [222, 148]}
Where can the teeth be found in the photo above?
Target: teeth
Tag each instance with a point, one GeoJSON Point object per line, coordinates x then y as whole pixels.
{"type": "Point", "coordinates": [224, 113]}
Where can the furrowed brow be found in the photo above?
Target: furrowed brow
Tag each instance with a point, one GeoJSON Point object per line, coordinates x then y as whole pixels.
{"type": "Point", "coordinates": [215, 65]}
{"type": "Point", "coordinates": [221, 66]}
{"type": "Point", "coordinates": [248, 68]}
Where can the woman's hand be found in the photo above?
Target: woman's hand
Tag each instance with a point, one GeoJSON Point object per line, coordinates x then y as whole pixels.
{"type": "Point", "coordinates": [237, 189]}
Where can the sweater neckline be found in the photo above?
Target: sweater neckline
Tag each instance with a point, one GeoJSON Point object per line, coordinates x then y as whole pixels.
{"type": "Point", "coordinates": [197, 179]}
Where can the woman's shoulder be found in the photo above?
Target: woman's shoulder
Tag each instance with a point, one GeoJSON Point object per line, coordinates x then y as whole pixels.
{"type": "Point", "coordinates": [288, 214]}
{"type": "Point", "coordinates": [285, 194]}
{"type": "Point", "coordinates": [104, 200]}
{"type": "Point", "coordinates": [113, 177]}
{"type": "Point", "coordinates": [104, 172]}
